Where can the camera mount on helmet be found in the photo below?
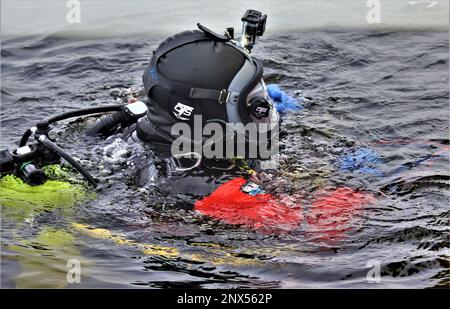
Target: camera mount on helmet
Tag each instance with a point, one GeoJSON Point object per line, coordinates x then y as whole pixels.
{"type": "Point", "coordinates": [253, 26]}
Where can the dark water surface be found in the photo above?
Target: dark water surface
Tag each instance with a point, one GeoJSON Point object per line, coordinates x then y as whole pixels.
{"type": "Point", "coordinates": [387, 91]}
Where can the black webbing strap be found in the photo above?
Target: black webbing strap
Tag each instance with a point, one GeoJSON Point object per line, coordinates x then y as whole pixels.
{"type": "Point", "coordinates": [220, 96]}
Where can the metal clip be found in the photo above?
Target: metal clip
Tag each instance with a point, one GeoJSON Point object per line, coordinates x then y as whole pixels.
{"type": "Point", "coordinates": [224, 95]}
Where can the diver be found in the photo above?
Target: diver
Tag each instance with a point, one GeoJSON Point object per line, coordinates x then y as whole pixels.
{"type": "Point", "coordinates": [202, 81]}
{"type": "Point", "coordinates": [204, 95]}
{"type": "Point", "coordinates": [198, 79]}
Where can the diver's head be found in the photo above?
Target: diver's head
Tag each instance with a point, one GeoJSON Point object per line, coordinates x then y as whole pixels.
{"type": "Point", "coordinates": [200, 75]}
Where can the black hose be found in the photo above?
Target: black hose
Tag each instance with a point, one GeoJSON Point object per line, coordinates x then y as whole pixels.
{"type": "Point", "coordinates": [25, 137]}
{"type": "Point", "coordinates": [58, 150]}
{"type": "Point", "coordinates": [77, 113]}
{"type": "Point", "coordinates": [106, 123]}
{"type": "Point", "coordinates": [85, 112]}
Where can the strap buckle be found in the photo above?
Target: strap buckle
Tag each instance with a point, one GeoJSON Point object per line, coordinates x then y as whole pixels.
{"type": "Point", "coordinates": [224, 95]}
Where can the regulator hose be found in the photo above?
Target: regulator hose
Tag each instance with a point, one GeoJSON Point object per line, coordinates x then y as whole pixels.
{"type": "Point", "coordinates": [71, 114]}
{"type": "Point", "coordinates": [58, 150]}
{"type": "Point", "coordinates": [25, 137]}
{"type": "Point", "coordinates": [106, 123]}
{"type": "Point", "coordinates": [85, 112]}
